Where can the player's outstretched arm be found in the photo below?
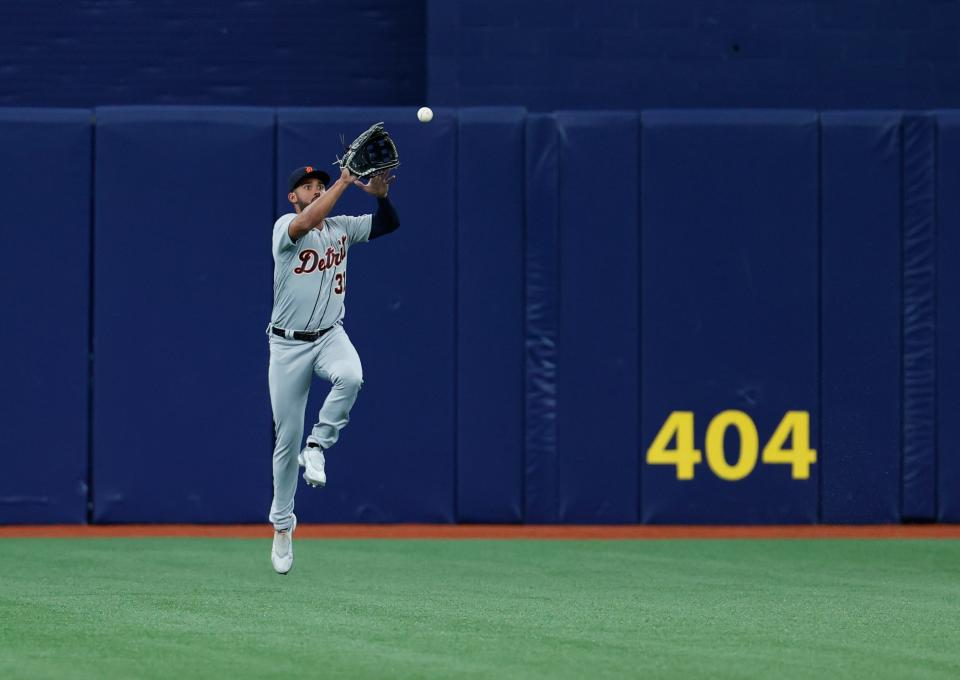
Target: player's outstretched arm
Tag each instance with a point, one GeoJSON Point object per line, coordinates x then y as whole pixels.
{"type": "Point", "coordinates": [385, 220]}
{"type": "Point", "coordinates": [314, 214]}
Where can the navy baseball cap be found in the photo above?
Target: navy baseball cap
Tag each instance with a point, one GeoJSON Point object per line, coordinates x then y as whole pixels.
{"type": "Point", "coordinates": [306, 172]}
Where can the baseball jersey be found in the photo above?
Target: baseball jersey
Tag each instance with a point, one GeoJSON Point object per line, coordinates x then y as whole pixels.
{"type": "Point", "coordinates": [310, 276]}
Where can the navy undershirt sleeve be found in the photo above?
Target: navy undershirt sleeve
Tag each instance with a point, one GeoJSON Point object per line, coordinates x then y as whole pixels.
{"type": "Point", "coordinates": [385, 219]}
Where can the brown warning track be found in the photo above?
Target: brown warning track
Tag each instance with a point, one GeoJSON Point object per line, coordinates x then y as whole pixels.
{"type": "Point", "coordinates": [486, 531]}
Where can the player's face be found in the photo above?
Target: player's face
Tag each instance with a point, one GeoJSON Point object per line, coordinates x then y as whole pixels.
{"type": "Point", "coordinates": [307, 193]}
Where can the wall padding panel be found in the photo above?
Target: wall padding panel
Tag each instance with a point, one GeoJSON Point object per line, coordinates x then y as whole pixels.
{"type": "Point", "coordinates": [44, 294]}
{"type": "Point", "coordinates": [598, 442]}
{"type": "Point", "coordinates": [183, 280]}
{"type": "Point", "coordinates": [948, 316]}
{"type": "Point", "coordinates": [861, 315]}
{"type": "Point", "coordinates": [542, 254]}
{"type": "Point", "coordinates": [919, 499]}
{"type": "Point", "coordinates": [728, 308]}
{"type": "Point", "coordinates": [490, 318]}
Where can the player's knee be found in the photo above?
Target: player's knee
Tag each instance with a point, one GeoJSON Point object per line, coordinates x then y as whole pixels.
{"type": "Point", "coordinates": [350, 379]}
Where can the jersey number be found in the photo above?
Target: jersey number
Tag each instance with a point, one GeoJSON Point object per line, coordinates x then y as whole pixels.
{"type": "Point", "coordinates": [341, 283]}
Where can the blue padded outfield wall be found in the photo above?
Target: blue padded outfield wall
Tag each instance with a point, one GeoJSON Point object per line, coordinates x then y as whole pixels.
{"type": "Point", "coordinates": [45, 240]}
{"type": "Point", "coordinates": [598, 433]}
{"type": "Point", "coordinates": [675, 316]}
{"type": "Point", "coordinates": [948, 317]}
{"type": "Point", "coordinates": [489, 356]}
{"type": "Point", "coordinates": [729, 307]}
{"type": "Point", "coordinates": [182, 294]}
{"type": "Point", "coordinates": [919, 317]}
{"type": "Point", "coordinates": [860, 313]}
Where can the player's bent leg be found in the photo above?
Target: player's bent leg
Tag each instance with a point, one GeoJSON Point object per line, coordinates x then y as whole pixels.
{"type": "Point", "coordinates": [290, 372]}
{"type": "Point", "coordinates": [335, 414]}
{"type": "Point", "coordinates": [339, 363]}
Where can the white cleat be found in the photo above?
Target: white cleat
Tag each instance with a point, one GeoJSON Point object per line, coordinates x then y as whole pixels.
{"type": "Point", "coordinates": [311, 459]}
{"type": "Point", "coordinates": [282, 553]}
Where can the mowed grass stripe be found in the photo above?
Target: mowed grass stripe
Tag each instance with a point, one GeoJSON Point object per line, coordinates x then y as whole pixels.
{"type": "Point", "coordinates": [191, 608]}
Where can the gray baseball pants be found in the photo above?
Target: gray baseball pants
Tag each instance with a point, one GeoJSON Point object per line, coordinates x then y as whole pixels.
{"type": "Point", "coordinates": [292, 365]}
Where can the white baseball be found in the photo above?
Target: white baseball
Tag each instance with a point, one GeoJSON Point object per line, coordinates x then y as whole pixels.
{"type": "Point", "coordinates": [425, 114]}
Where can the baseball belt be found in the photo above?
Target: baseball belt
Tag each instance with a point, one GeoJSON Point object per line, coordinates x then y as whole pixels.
{"type": "Point", "coordinates": [305, 336]}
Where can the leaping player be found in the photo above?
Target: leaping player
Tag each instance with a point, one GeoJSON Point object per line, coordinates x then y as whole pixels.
{"type": "Point", "coordinates": [306, 330]}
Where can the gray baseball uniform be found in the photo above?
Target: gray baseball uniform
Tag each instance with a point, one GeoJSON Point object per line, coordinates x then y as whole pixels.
{"type": "Point", "coordinates": [309, 287]}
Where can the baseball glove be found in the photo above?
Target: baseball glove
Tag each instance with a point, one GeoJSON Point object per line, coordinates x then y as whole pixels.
{"type": "Point", "coordinates": [370, 153]}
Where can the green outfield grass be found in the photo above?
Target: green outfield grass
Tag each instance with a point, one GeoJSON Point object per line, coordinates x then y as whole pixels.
{"type": "Point", "coordinates": [213, 608]}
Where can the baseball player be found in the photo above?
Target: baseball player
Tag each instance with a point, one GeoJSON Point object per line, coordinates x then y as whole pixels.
{"type": "Point", "coordinates": [306, 330]}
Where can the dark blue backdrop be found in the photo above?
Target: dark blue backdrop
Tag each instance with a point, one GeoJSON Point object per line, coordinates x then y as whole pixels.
{"type": "Point", "coordinates": [561, 54]}
{"type": "Point", "coordinates": [645, 54]}
{"type": "Point", "coordinates": [236, 52]}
